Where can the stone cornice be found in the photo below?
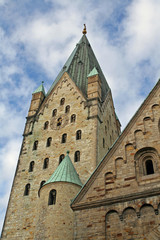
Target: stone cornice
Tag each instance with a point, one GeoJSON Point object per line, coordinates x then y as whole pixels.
{"type": "Point", "coordinates": [114, 200]}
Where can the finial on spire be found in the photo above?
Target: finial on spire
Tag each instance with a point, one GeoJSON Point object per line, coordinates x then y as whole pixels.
{"type": "Point", "coordinates": [67, 152]}
{"type": "Point", "coordinates": [42, 82]}
{"type": "Point", "coordinates": [84, 29]}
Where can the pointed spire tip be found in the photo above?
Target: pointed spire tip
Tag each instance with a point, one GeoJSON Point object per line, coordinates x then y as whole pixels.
{"type": "Point", "coordinates": [84, 29]}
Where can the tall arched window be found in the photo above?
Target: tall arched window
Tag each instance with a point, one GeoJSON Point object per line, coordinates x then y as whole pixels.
{"type": "Point", "coordinates": [49, 140]}
{"type": "Point", "coordinates": [41, 184]}
{"type": "Point", "coordinates": [64, 138]}
{"type": "Point", "coordinates": [27, 189]}
{"type": "Point", "coordinates": [54, 113]}
{"type": "Point", "coordinates": [46, 124]}
{"type": "Point", "coordinates": [31, 166]}
{"type": "Point", "coordinates": [78, 134]}
{"type": "Point", "coordinates": [149, 167]}
{"type": "Point", "coordinates": [52, 197]}
{"type": "Point", "coordinates": [46, 163]}
{"type": "Point", "coordinates": [77, 156]}
{"type": "Point", "coordinates": [73, 118]}
{"type": "Point", "coordinates": [35, 145]}
{"type": "Point", "coordinates": [67, 110]}
{"type": "Point", "coordinates": [61, 157]}
{"type": "Point", "coordinates": [62, 101]}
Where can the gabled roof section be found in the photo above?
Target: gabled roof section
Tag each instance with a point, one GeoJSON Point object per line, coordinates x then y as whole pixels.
{"type": "Point", "coordinates": [80, 63]}
{"type": "Point", "coordinates": [65, 172]}
{"type": "Point", "coordinates": [40, 89]}
{"type": "Point", "coordinates": [111, 150]}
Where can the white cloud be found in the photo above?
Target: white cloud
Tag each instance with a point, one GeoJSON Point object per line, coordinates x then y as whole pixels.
{"type": "Point", "coordinates": [46, 39]}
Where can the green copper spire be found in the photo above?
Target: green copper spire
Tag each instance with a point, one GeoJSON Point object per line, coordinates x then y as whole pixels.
{"type": "Point", "coordinates": [40, 89]}
{"type": "Point", "coordinates": [65, 172]}
{"type": "Point", "coordinates": [80, 63]}
{"type": "Point", "coordinates": [93, 72]}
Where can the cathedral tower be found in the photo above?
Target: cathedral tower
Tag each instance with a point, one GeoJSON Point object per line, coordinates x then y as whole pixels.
{"type": "Point", "coordinates": [77, 114]}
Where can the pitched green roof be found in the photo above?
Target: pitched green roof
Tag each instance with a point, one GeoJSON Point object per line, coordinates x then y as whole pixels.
{"type": "Point", "coordinates": [93, 72]}
{"type": "Point", "coordinates": [65, 172]}
{"type": "Point", "coordinates": [80, 63]}
{"type": "Point", "coordinates": [40, 89]}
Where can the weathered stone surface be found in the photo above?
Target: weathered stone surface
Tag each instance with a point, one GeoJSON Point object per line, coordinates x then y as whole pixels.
{"type": "Point", "coordinates": [121, 200]}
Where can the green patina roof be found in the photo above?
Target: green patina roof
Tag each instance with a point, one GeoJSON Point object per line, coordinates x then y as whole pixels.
{"type": "Point", "coordinates": [93, 72]}
{"type": "Point", "coordinates": [80, 63]}
{"type": "Point", "coordinates": [65, 172]}
{"type": "Point", "coordinates": [40, 89]}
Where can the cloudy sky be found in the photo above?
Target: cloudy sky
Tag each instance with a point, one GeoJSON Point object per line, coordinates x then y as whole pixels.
{"type": "Point", "coordinates": [37, 37]}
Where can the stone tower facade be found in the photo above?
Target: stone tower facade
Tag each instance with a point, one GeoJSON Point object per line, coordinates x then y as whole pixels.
{"type": "Point", "coordinates": [77, 114]}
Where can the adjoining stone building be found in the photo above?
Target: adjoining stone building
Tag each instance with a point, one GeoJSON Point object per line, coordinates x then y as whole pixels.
{"type": "Point", "coordinates": [112, 179]}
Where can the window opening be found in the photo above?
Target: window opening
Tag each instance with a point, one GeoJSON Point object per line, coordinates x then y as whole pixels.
{"type": "Point", "coordinates": [31, 166]}
{"type": "Point", "coordinates": [52, 197]}
{"type": "Point", "coordinates": [73, 118]}
{"type": "Point", "coordinates": [67, 109]}
{"type": "Point", "coordinates": [49, 140]}
{"type": "Point", "coordinates": [35, 145]}
{"type": "Point", "coordinates": [46, 163]}
{"type": "Point", "coordinates": [78, 134]}
{"type": "Point", "coordinates": [64, 138]}
{"type": "Point", "coordinates": [77, 156]}
{"type": "Point", "coordinates": [61, 157]}
{"type": "Point", "coordinates": [62, 101]}
{"type": "Point", "coordinates": [46, 125]}
{"type": "Point", "coordinates": [54, 113]}
{"type": "Point", "coordinates": [27, 190]}
{"type": "Point", "coordinates": [149, 167]}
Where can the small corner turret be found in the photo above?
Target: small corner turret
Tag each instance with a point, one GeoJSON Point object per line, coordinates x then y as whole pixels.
{"type": "Point", "coordinates": [37, 97]}
{"type": "Point", "coordinates": [94, 85]}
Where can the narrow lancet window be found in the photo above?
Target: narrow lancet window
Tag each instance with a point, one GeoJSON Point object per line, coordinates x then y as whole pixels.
{"type": "Point", "coordinates": [54, 113]}
{"type": "Point", "coordinates": [46, 163]}
{"type": "Point", "coordinates": [27, 190]}
{"type": "Point", "coordinates": [67, 109]}
{"type": "Point", "coordinates": [78, 134]}
{"type": "Point", "coordinates": [61, 158]}
{"type": "Point", "coordinates": [46, 124]}
{"type": "Point", "coordinates": [77, 156]}
{"type": "Point", "coordinates": [73, 118]}
{"type": "Point", "coordinates": [31, 166]}
{"type": "Point", "coordinates": [64, 138]}
{"type": "Point", "coordinates": [52, 197]}
{"type": "Point", "coordinates": [35, 145]}
{"type": "Point", "coordinates": [62, 101]}
{"type": "Point", "coordinates": [49, 140]}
